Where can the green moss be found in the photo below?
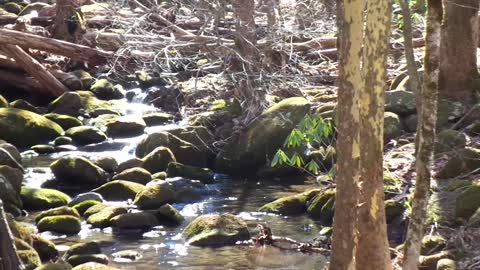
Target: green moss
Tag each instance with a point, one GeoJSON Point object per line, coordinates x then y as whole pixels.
{"type": "Point", "coordinates": [321, 207]}
{"type": "Point", "coordinates": [29, 258]}
{"type": "Point", "coordinates": [55, 266]}
{"type": "Point", "coordinates": [62, 210]}
{"type": "Point", "coordinates": [218, 105]}
{"type": "Point", "coordinates": [65, 121]}
{"type": "Point", "coordinates": [137, 220]}
{"type": "Point", "coordinates": [155, 119]}
{"type": "Point", "coordinates": [432, 244]}
{"type": "Point", "coordinates": [154, 197]}
{"type": "Point", "coordinates": [94, 209]}
{"type": "Point", "coordinates": [468, 202]}
{"type": "Point", "coordinates": [93, 266]}
{"type": "Point", "coordinates": [81, 259]}
{"type": "Point", "coordinates": [103, 217]}
{"type": "Point", "coordinates": [40, 199]}
{"type": "Point", "coordinates": [84, 248]}
{"type": "Point", "coordinates": [167, 214]}
{"type": "Point", "coordinates": [137, 175]}
{"type": "Point", "coordinates": [160, 175]}
{"type": "Point", "coordinates": [78, 170]}
{"type": "Point", "coordinates": [204, 175]}
{"type": "Point", "coordinates": [457, 184]}
{"type": "Point", "coordinates": [158, 159]}
{"type": "Point", "coordinates": [393, 209]}
{"type": "Point", "coordinates": [45, 248]}
{"type": "Point", "coordinates": [60, 224]}
{"type": "Point", "coordinates": [83, 206]}
{"type": "Point", "coordinates": [289, 205]}
{"type": "Point", "coordinates": [462, 162]}
{"type": "Point", "coordinates": [86, 135]}
{"type": "Point", "coordinates": [119, 190]}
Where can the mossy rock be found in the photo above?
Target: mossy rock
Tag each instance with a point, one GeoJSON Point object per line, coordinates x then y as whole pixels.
{"type": "Point", "coordinates": [60, 224]}
{"type": "Point", "coordinates": [158, 159]}
{"type": "Point", "coordinates": [318, 208]}
{"type": "Point", "coordinates": [129, 164]}
{"type": "Point", "coordinates": [65, 121]}
{"type": "Point", "coordinates": [93, 266]}
{"type": "Point", "coordinates": [462, 162]}
{"type": "Point", "coordinates": [41, 199]}
{"type": "Point", "coordinates": [86, 197]}
{"type": "Point", "coordinates": [81, 259]}
{"type": "Point", "coordinates": [137, 220]}
{"type": "Point", "coordinates": [392, 127]}
{"type": "Point", "coordinates": [157, 118]}
{"type": "Point", "coordinates": [62, 140]}
{"type": "Point", "coordinates": [216, 230]}
{"type": "Point", "coordinates": [83, 135]}
{"type": "Point", "coordinates": [24, 129]}
{"type": "Point", "coordinates": [432, 244]}
{"type": "Point", "coordinates": [199, 137]}
{"type": "Point", "coordinates": [45, 248]}
{"type": "Point", "coordinates": [128, 255]}
{"type": "Point", "coordinates": [29, 259]}
{"type": "Point", "coordinates": [289, 205]}
{"type": "Point", "coordinates": [204, 175]}
{"type": "Point", "coordinates": [12, 150]}
{"type": "Point", "coordinates": [400, 102]}
{"type": "Point", "coordinates": [83, 206]}
{"type": "Point", "coordinates": [103, 217]}
{"type": "Point", "coordinates": [393, 209]}
{"type": "Point", "coordinates": [108, 164]}
{"type": "Point", "coordinates": [21, 230]}
{"type": "Point", "coordinates": [137, 175]}
{"type": "Point", "coordinates": [154, 196]}
{"type": "Point", "coordinates": [168, 215]}
{"type": "Point", "coordinates": [449, 111]}
{"type": "Point", "coordinates": [24, 105]}
{"type": "Point", "coordinates": [125, 126]}
{"type": "Point", "coordinates": [43, 149]}
{"type": "Point", "coordinates": [78, 170]}
{"type": "Point", "coordinates": [457, 184]}
{"type": "Point", "coordinates": [21, 245]}
{"type": "Point", "coordinates": [7, 159]}
{"type": "Point", "coordinates": [55, 266]}
{"type": "Point", "coordinates": [104, 89]}
{"type": "Point", "coordinates": [3, 102]}
{"type": "Point", "coordinates": [83, 249]}
{"type": "Point", "coordinates": [79, 102]}
{"type": "Point", "coordinates": [84, 77]}
{"type": "Point", "coordinates": [263, 138]}
{"type": "Point", "coordinates": [446, 264]}
{"type": "Point", "coordinates": [119, 190]}
{"type": "Point", "coordinates": [392, 183]}
{"type": "Point", "coordinates": [59, 211]}
{"type": "Point", "coordinates": [94, 209]}
{"type": "Point", "coordinates": [9, 194]}
{"type": "Point", "coordinates": [450, 140]}
{"type": "Point", "coordinates": [160, 176]}
{"type": "Point", "coordinates": [430, 261]}
{"type": "Point", "coordinates": [468, 202]}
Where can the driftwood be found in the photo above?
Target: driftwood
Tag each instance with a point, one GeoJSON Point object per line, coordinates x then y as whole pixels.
{"type": "Point", "coordinates": [59, 47]}
{"type": "Point", "coordinates": [52, 86]}
{"type": "Point", "coordinates": [8, 256]}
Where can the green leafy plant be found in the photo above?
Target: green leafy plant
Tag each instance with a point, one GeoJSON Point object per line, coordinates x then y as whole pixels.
{"type": "Point", "coordinates": [312, 132]}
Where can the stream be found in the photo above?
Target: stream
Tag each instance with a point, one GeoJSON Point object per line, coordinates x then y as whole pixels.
{"type": "Point", "coordinates": [163, 247]}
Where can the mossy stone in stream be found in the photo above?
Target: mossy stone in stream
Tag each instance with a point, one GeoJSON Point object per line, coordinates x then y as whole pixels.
{"type": "Point", "coordinates": [129, 164]}
{"type": "Point", "coordinates": [103, 89]}
{"type": "Point", "coordinates": [7, 159]}
{"type": "Point", "coordinates": [59, 211]}
{"type": "Point", "coordinates": [83, 206]}
{"type": "Point", "coordinates": [3, 102]}
{"type": "Point", "coordinates": [204, 175]}
{"type": "Point", "coordinates": [55, 266]}
{"type": "Point", "coordinates": [125, 126]}
{"type": "Point", "coordinates": [154, 196]}
{"type": "Point", "coordinates": [24, 105]}
{"type": "Point", "coordinates": [29, 258]}
{"type": "Point", "coordinates": [60, 224]}
{"type": "Point", "coordinates": [319, 208]}
{"type": "Point", "coordinates": [103, 217]}
{"type": "Point", "coordinates": [119, 190]}
{"type": "Point", "coordinates": [81, 259]}
{"type": "Point", "coordinates": [93, 266]}
{"type": "Point", "coordinates": [216, 230]}
{"type": "Point", "coordinates": [137, 175]}
{"type": "Point", "coordinates": [158, 118]}
{"type": "Point", "coordinates": [43, 149]}
{"type": "Point", "coordinates": [84, 248]}
{"type": "Point", "coordinates": [23, 128]}
{"type": "Point", "coordinates": [432, 244]}
{"type": "Point", "coordinates": [138, 220]}
{"type": "Point", "coordinates": [13, 175]}
{"type": "Point", "coordinates": [158, 159]}
{"type": "Point", "coordinates": [83, 135]}
{"type": "Point", "coordinates": [78, 170]}
{"type": "Point", "coordinates": [41, 199]}
{"type": "Point", "coordinates": [468, 202]}
{"type": "Point", "coordinates": [160, 175]}
{"type": "Point", "coordinates": [168, 214]}
{"type": "Point", "coordinates": [21, 245]}
{"type": "Point", "coordinates": [289, 205]}
{"type": "Point", "coordinates": [84, 77]}
{"type": "Point", "coordinates": [9, 195]}
{"type": "Point", "coordinates": [12, 150]}
{"type": "Point", "coordinates": [12, 7]}
{"type": "Point", "coordinates": [94, 209]}
{"type": "Point", "coordinates": [108, 164]}
{"type": "Point", "coordinates": [65, 121]}
{"type": "Point", "coordinates": [45, 248]}
{"type": "Point", "coordinates": [78, 102]}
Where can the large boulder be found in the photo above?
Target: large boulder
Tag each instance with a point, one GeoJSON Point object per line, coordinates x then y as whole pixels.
{"type": "Point", "coordinates": [290, 205]}
{"type": "Point", "coordinates": [468, 202]}
{"type": "Point", "coordinates": [125, 126]}
{"type": "Point", "coordinates": [58, 211]}
{"type": "Point", "coordinates": [158, 159]}
{"type": "Point", "coordinates": [104, 89]}
{"type": "Point", "coordinates": [462, 161]}
{"type": "Point", "coordinates": [80, 102]}
{"type": "Point", "coordinates": [24, 128]}
{"type": "Point", "coordinates": [65, 224]}
{"type": "Point", "coordinates": [78, 170]}
{"type": "Point", "coordinates": [400, 102]}
{"type": "Point", "coordinates": [216, 230]}
{"type": "Point", "coordinates": [42, 199]}
{"type": "Point", "coordinates": [157, 118]}
{"type": "Point", "coordinates": [154, 196]}
{"type": "Point", "coordinates": [392, 127]}
{"type": "Point", "coordinates": [119, 190]}
{"type": "Point", "coordinates": [263, 138]}
{"type": "Point", "coordinates": [83, 135]}
{"type": "Point", "coordinates": [137, 175]}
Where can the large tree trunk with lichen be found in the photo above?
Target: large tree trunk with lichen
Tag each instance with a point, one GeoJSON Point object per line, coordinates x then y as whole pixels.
{"type": "Point", "coordinates": [8, 255]}
{"type": "Point", "coordinates": [458, 47]}
{"type": "Point", "coordinates": [350, 25]}
{"type": "Point", "coordinates": [246, 67]}
{"type": "Point", "coordinates": [426, 137]}
{"type": "Point", "coordinates": [373, 250]}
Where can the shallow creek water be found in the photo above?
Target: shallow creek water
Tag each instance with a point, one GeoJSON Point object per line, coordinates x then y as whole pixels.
{"type": "Point", "coordinates": [163, 247]}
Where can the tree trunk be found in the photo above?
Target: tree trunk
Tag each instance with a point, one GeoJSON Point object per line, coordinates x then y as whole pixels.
{"type": "Point", "coordinates": [425, 135]}
{"type": "Point", "coordinates": [458, 47]}
{"type": "Point", "coordinates": [373, 250]}
{"type": "Point", "coordinates": [8, 253]}
{"type": "Point", "coordinates": [63, 20]}
{"type": "Point", "coordinates": [350, 25]}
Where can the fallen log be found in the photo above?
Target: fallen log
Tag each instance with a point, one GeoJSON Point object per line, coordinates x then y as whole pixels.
{"type": "Point", "coordinates": [20, 81]}
{"type": "Point", "coordinates": [8, 253]}
{"type": "Point", "coordinates": [59, 47]}
{"type": "Point", "coordinates": [52, 86]}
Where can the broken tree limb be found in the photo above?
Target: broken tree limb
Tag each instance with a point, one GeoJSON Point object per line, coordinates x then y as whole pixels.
{"type": "Point", "coordinates": [20, 81]}
{"type": "Point", "coordinates": [59, 47]}
{"type": "Point", "coordinates": [8, 253]}
{"type": "Point", "coordinates": [53, 87]}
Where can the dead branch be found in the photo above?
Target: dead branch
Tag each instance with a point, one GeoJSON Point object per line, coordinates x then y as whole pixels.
{"type": "Point", "coordinates": [8, 255]}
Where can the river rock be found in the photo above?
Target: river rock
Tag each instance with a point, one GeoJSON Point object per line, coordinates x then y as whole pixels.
{"type": "Point", "coordinates": [168, 98]}
{"type": "Point", "coordinates": [24, 128]}
{"type": "Point", "coordinates": [79, 102]}
{"type": "Point", "coordinates": [86, 258]}
{"type": "Point", "coordinates": [62, 140]}
{"type": "Point", "coordinates": [78, 170]}
{"type": "Point", "coordinates": [84, 206]}
{"type": "Point", "coordinates": [13, 175]}
{"type": "Point", "coordinates": [3, 102]}
{"type": "Point", "coordinates": [168, 215]}
{"type": "Point", "coordinates": [157, 118]}
{"type": "Point", "coordinates": [154, 196]}
{"type": "Point", "coordinates": [93, 266]}
{"type": "Point", "coordinates": [137, 175]}
{"type": "Point", "coordinates": [41, 199]}
{"type": "Point", "coordinates": [45, 248]}
{"type": "Point", "coordinates": [58, 211]}
{"type": "Point", "coordinates": [321, 206]}
{"type": "Point", "coordinates": [24, 105]}
{"type": "Point", "coordinates": [88, 196]}
{"type": "Point", "coordinates": [90, 247]}
{"type": "Point", "coordinates": [450, 140]}
{"type": "Point", "coordinates": [129, 164]}
{"type": "Point", "coordinates": [43, 149]}
{"type": "Point", "coordinates": [184, 152]}
{"type": "Point", "coordinates": [29, 258]}
{"type": "Point", "coordinates": [119, 190]}
{"type": "Point", "coordinates": [60, 224]}
{"type": "Point", "coordinates": [400, 102]}
{"type": "Point", "coordinates": [55, 266]}
{"type": "Point", "coordinates": [290, 205]}
{"type": "Point", "coordinates": [126, 126]}
{"type": "Point", "coordinates": [468, 202]}
{"type": "Point", "coordinates": [105, 90]}
{"type": "Point", "coordinates": [127, 255]}
{"type": "Point", "coordinates": [432, 244]}
{"type": "Point", "coordinates": [158, 159]}
{"type": "Point", "coordinates": [84, 77]}
{"type": "Point", "coordinates": [446, 264]}
{"type": "Point", "coordinates": [83, 135]}
{"type": "Point", "coordinates": [94, 209]}
{"type": "Point", "coordinates": [263, 138]}
{"type": "Point", "coordinates": [216, 230]}
{"type": "Point", "coordinates": [103, 217]}
{"type": "Point", "coordinates": [7, 159]}
{"type": "Point", "coordinates": [137, 220]}
{"type": "Point", "coordinates": [108, 164]}
{"type": "Point", "coordinates": [204, 175]}
{"type": "Point", "coordinates": [12, 7]}
{"type": "Point", "coordinates": [392, 127]}
{"type": "Point", "coordinates": [198, 136]}
{"type": "Point", "coordinates": [65, 121]}
{"type": "Point", "coordinates": [461, 162]}
{"type": "Point", "coordinates": [12, 150]}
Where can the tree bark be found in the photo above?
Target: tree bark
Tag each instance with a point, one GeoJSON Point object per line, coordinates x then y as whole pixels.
{"type": "Point", "coordinates": [458, 47]}
{"type": "Point", "coordinates": [64, 14]}
{"type": "Point", "coordinates": [350, 25]}
{"type": "Point", "coordinates": [373, 250]}
{"type": "Point", "coordinates": [8, 253]}
{"type": "Point", "coordinates": [425, 135]}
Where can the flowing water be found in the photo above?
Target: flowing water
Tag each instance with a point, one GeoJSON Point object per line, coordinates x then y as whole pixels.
{"type": "Point", "coordinates": [163, 247]}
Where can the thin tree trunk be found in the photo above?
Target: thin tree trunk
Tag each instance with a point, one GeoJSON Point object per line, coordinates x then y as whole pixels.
{"type": "Point", "coordinates": [350, 25]}
{"type": "Point", "coordinates": [373, 250]}
{"type": "Point", "coordinates": [8, 253]}
{"type": "Point", "coordinates": [426, 136]}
